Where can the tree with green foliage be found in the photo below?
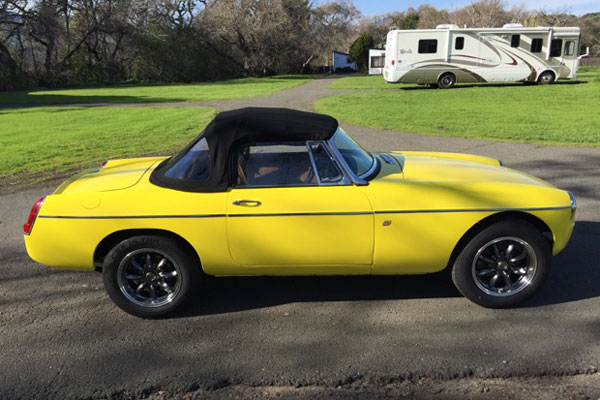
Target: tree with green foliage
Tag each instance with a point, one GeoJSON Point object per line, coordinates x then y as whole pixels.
{"type": "Point", "coordinates": [359, 51]}
{"type": "Point", "coordinates": [410, 21]}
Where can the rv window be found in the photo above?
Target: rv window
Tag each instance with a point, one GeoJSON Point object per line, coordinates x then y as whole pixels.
{"type": "Point", "coordinates": [427, 46]}
{"type": "Point", "coordinates": [569, 48]}
{"type": "Point", "coordinates": [377, 61]}
{"type": "Point", "coordinates": [556, 48]}
{"type": "Point", "coordinates": [536, 45]}
{"type": "Point", "coordinates": [515, 40]}
{"type": "Point", "coordinates": [460, 43]}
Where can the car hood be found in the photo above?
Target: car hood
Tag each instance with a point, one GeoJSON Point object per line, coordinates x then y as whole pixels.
{"type": "Point", "coordinates": [114, 175]}
{"type": "Point", "coordinates": [456, 167]}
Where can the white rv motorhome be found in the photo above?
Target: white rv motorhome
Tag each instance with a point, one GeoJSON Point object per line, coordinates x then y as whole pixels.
{"type": "Point", "coordinates": [449, 54]}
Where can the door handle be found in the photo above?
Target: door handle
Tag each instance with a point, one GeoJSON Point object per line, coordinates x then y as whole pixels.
{"type": "Point", "coordinates": [247, 203]}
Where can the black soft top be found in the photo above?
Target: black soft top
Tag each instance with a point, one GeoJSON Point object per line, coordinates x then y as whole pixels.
{"type": "Point", "coordinates": [253, 124]}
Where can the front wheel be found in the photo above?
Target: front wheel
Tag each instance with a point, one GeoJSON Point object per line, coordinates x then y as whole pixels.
{"type": "Point", "coordinates": [502, 265]}
{"type": "Point", "coordinates": [546, 78]}
{"type": "Point", "coordinates": [446, 81]}
{"type": "Point", "coordinates": [149, 276]}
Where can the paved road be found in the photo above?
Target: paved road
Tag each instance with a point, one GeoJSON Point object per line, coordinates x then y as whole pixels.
{"type": "Point", "coordinates": [61, 337]}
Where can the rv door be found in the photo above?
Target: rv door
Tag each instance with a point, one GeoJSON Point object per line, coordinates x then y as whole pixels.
{"type": "Point", "coordinates": [568, 59]}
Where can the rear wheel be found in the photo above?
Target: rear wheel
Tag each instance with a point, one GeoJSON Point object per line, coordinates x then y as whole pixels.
{"type": "Point", "coordinates": [546, 78]}
{"type": "Point", "coordinates": [446, 81]}
{"type": "Point", "coordinates": [503, 265]}
{"type": "Point", "coordinates": [149, 276]}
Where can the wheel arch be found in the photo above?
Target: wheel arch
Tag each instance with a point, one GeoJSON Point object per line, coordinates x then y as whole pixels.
{"type": "Point", "coordinates": [498, 217]}
{"type": "Point", "coordinates": [445, 72]}
{"type": "Point", "coordinates": [115, 238]}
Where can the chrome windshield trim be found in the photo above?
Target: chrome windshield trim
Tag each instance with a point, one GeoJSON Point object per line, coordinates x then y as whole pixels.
{"type": "Point", "coordinates": [342, 162]}
{"type": "Point", "coordinates": [343, 181]}
{"type": "Point", "coordinates": [362, 179]}
{"type": "Point", "coordinates": [374, 166]}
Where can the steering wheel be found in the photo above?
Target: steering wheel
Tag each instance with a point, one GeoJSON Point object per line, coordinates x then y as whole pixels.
{"type": "Point", "coordinates": [310, 175]}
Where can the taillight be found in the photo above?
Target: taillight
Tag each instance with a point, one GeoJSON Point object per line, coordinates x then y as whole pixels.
{"type": "Point", "coordinates": [393, 62]}
{"type": "Point", "coordinates": [32, 216]}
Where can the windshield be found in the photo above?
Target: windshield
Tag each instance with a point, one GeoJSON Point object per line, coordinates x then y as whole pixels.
{"type": "Point", "coordinates": [358, 159]}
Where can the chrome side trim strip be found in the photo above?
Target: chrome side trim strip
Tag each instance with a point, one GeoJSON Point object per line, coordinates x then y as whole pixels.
{"type": "Point", "coordinates": [305, 214]}
{"type": "Point", "coordinates": [450, 210]}
{"type": "Point", "coordinates": [422, 211]}
{"type": "Point", "coordinates": [131, 216]}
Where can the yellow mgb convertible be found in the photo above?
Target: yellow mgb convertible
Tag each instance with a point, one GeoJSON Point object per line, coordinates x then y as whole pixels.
{"type": "Point", "coordinates": [280, 192]}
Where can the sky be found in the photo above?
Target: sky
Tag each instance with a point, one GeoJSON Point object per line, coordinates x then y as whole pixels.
{"type": "Point", "coordinates": [373, 7]}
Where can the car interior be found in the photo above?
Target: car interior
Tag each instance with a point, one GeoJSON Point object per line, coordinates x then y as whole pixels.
{"type": "Point", "coordinates": [257, 168]}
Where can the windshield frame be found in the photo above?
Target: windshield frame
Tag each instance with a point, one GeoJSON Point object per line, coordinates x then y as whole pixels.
{"type": "Point", "coordinates": [364, 178]}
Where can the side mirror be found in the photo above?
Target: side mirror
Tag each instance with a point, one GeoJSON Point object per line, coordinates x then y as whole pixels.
{"type": "Point", "coordinates": [587, 53]}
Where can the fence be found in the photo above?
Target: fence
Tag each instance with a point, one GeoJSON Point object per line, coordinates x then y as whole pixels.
{"type": "Point", "coordinates": [590, 61]}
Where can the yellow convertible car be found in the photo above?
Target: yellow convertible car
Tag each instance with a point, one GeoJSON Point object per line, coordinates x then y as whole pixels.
{"type": "Point", "coordinates": [280, 192]}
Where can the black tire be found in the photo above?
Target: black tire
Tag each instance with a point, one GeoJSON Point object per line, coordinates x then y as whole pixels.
{"type": "Point", "coordinates": [446, 81]}
{"type": "Point", "coordinates": [467, 272]}
{"type": "Point", "coordinates": [126, 259]}
{"type": "Point", "coordinates": [433, 85]}
{"type": "Point", "coordinates": [546, 78]}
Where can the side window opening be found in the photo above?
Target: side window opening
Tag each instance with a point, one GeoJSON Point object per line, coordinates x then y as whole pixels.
{"type": "Point", "coordinates": [556, 47]}
{"type": "Point", "coordinates": [515, 40]}
{"type": "Point", "coordinates": [569, 48]}
{"type": "Point", "coordinates": [460, 43]}
{"type": "Point", "coordinates": [195, 165]}
{"type": "Point", "coordinates": [268, 164]}
{"type": "Point", "coordinates": [536, 45]}
{"type": "Point", "coordinates": [274, 164]}
{"type": "Point", "coordinates": [427, 46]}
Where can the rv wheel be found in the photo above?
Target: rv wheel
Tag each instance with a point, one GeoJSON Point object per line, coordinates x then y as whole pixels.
{"type": "Point", "coordinates": [446, 81]}
{"type": "Point", "coordinates": [546, 78]}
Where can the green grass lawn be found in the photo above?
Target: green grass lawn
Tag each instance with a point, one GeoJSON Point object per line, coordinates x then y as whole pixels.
{"type": "Point", "coordinates": [222, 90]}
{"type": "Point", "coordinates": [562, 113]}
{"type": "Point", "coordinates": [43, 142]}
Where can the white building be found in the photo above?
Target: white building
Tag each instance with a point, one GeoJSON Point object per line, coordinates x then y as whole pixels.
{"type": "Point", "coordinates": [376, 61]}
{"type": "Point", "coordinates": [341, 61]}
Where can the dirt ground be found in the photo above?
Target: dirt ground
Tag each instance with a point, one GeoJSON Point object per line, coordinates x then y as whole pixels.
{"type": "Point", "coordinates": [539, 388]}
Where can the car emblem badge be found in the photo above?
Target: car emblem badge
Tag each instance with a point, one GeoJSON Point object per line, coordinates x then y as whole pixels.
{"type": "Point", "coordinates": [387, 222]}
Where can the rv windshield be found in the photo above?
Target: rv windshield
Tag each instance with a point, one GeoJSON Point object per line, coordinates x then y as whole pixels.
{"type": "Point", "coordinates": [358, 159]}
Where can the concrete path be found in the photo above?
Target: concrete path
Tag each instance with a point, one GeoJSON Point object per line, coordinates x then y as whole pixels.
{"type": "Point", "coordinates": [61, 337]}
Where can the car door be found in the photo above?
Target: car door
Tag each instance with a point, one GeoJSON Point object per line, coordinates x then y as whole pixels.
{"type": "Point", "coordinates": [292, 209]}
